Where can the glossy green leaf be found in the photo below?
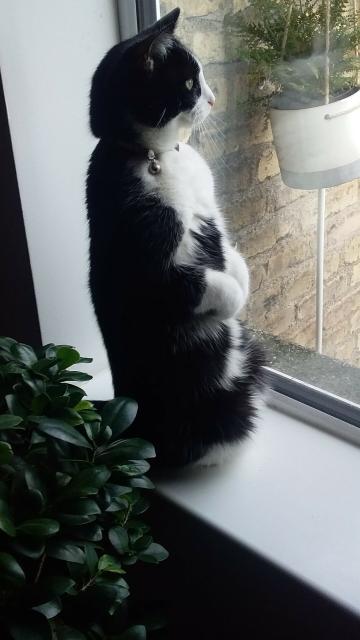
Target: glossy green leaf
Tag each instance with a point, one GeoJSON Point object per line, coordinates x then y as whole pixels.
{"type": "Point", "coordinates": [121, 450]}
{"type": "Point", "coordinates": [109, 595]}
{"type": "Point", "coordinates": [31, 625]}
{"type": "Point", "coordinates": [91, 558]}
{"type": "Point", "coordinates": [117, 490]}
{"type": "Point", "coordinates": [154, 554]}
{"type": "Point", "coordinates": [67, 356]}
{"type": "Point", "coordinates": [88, 481]}
{"type": "Point", "coordinates": [140, 506]}
{"type": "Point", "coordinates": [119, 539]}
{"type": "Point", "coordinates": [8, 421]}
{"type": "Point", "coordinates": [89, 532]}
{"type": "Point", "coordinates": [119, 414]}
{"type": "Point", "coordinates": [6, 343]}
{"type": "Point", "coordinates": [6, 453]}
{"type": "Point", "coordinates": [70, 416]}
{"type": "Point", "coordinates": [111, 564]}
{"type": "Point", "coordinates": [65, 551]}
{"type": "Point", "coordinates": [6, 523]}
{"type": "Point", "coordinates": [134, 468]}
{"type": "Point", "coordinates": [24, 353]}
{"type": "Point", "coordinates": [142, 543]}
{"type": "Point", "coordinates": [56, 585]}
{"type": "Point", "coordinates": [14, 405]}
{"type": "Point", "coordinates": [137, 530]}
{"type": "Point", "coordinates": [49, 609]}
{"type": "Point", "coordinates": [82, 506]}
{"type": "Point", "coordinates": [35, 485]}
{"type": "Point", "coordinates": [84, 405]}
{"type": "Point", "coordinates": [44, 364]}
{"type": "Point", "coordinates": [62, 431]}
{"type": "Point", "coordinates": [36, 384]}
{"type": "Point", "coordinates": [137, 632]}
{"type": "Point", "coordinates": [75, 394]}
{"type": "Point", "coordinates": [141, 483]}
{"type": "Point", "coordinates": [78, 376]}
{"type": "Point", "coordinates": [12, 368]}
{"type": "Point", "coordinates": [89, 416]}
{"type": "Point", "coordinates": [42, 527]}
{"type": "Point", "coordinates": [74, 520]}
{"type": "Point", "coordinates": [10, 570]}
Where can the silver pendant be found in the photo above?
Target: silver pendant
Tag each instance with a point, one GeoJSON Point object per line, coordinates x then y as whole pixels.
{"type": "Point", "coordinates": [154, 165]}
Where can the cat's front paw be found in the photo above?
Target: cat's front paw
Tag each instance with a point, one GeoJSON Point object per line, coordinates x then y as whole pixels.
{"type": "Point", "coordinates": [237, 268]}
{"type": "Point", "coordinates": [223, 297]}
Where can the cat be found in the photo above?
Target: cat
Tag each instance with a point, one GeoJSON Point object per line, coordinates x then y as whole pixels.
{"type": "Point", "coordinates": [166, 283]}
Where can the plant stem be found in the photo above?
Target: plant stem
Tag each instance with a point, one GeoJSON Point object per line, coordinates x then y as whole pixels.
{"type": "Point", "coordinates": [286, 30]}
{"type": "Point", "coordinates": [327, 51]}
{"type": "Point", "coordinates": [54, 635]}
{"type": "Point", "coordinates": [41, 564]}
{"type": "Point", "coordinates": [89, 583]}
{"type": "Point", "coordinates": [355, 29]}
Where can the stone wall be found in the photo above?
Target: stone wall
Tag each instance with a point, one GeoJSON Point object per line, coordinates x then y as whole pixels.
{"type": "Point", "coordinates": [274, 226]}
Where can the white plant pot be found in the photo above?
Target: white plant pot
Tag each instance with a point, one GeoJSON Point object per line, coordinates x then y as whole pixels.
{"type": "Point", "coordinates": [320, 146]}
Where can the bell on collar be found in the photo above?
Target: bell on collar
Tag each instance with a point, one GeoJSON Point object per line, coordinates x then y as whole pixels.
{"type": "Point", "coordinates": [154, 165]}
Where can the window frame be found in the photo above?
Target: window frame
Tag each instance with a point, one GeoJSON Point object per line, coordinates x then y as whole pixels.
{"type": "Point", "coordinates": [295, 394]}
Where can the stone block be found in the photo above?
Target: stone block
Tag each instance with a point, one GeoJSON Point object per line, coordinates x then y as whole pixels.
{"type": "Point", "coordinates": [290, 252]}
{"type": "Point", "coordinates": [257, 276]}
{"type": "Point", "coordinates": [343, 226]}
{"type": "Point", "coordinates": [306, 309]}
{"type": "Point", "coordinates": [209, 48]}
{"type": "Point", "coordinates": [220, 88]}
{"type": "Point", "coordinates": [355, 276]}
{"type": "Point", "coordinates": [338, 198]}
{"type": "Point", "coordinates": [336, 288]}
{"type": "Point", "coordinates": [278, 321]}
{"type": "Point", "coordinates": [302, 286]}
{"type": "Point", "coordinates": [352, 251]}
{"type": "Point", "coordinates": [268, 165]}
{"type": "Point", "coordinates": [331, 264]}
{"type": "Point", "coordinates": [193, 9]}
{"type": "Point", "coordinates": [306, 336]}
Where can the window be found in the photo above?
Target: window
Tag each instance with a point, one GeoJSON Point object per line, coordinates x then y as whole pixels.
{"type": "Point", "coordinates": [301, 240]}
{"type": "Point", "coordinates": [273, 66]}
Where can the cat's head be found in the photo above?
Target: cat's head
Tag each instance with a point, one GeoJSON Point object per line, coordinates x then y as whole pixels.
{"type": "Point", "coordinates": [151, 81]}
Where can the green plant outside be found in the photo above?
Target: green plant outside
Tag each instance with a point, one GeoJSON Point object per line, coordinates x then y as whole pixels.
{"type": "Point", "coordinates": [72, 491]}
{"type": "Point", "coordinates": [284, 44]}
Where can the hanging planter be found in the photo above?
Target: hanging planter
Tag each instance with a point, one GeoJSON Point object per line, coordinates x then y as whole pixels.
{"type": "Point", "coordinates": [319, 146]}
{"type": "Point", "coordinates": [304, 65]}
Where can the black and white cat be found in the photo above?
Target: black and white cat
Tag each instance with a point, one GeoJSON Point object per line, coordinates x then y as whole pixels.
{"type": "Point", "coordinates": [166, 283]}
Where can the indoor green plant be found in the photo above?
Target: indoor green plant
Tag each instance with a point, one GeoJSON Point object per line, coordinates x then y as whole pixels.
{"type": "Point", "coordinates": [71, 493]}
{"type": "Point", "coordinates": [303, 63]}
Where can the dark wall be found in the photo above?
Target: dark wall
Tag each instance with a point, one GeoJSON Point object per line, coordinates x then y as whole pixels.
{"type": "Point", "coordinates": [18, 311]}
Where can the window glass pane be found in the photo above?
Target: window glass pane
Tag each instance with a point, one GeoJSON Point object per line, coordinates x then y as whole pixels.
{"type": "Point", "coordinates": [274, 65]}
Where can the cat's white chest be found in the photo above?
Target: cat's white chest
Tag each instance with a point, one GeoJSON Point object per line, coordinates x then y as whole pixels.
{"type": "Point", "coordinates": [185, 183]}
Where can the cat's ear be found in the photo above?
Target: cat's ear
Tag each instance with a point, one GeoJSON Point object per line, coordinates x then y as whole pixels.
{"type": "Point", "coordinates": [167, 24]}
{"type": "Point", "coordinates": [156, 41]}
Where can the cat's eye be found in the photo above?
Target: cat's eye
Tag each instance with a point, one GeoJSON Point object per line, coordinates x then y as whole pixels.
{"type": "Point", "coordinates": [189, 84]}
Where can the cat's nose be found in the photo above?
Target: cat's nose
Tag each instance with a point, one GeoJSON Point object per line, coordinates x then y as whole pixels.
{"type": "Point", "coordinates": [211, 97]}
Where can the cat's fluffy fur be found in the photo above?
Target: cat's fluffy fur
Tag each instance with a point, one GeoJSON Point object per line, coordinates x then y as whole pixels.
{"type": "Point", "coordinates": [165, 281]}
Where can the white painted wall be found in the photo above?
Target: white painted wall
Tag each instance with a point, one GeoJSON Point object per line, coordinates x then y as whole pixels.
{"type": "Point", "coordinates": [48, 52]}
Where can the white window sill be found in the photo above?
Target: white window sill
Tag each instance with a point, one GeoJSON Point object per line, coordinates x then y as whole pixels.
{"type": "Point", "coordinates": [292, 495]}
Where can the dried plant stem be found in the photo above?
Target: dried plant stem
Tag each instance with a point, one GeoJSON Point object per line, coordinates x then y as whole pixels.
{"type": "Point", "coordinates": [286, 30]}
{"type": "Point", "coordinates": [327, 51]}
